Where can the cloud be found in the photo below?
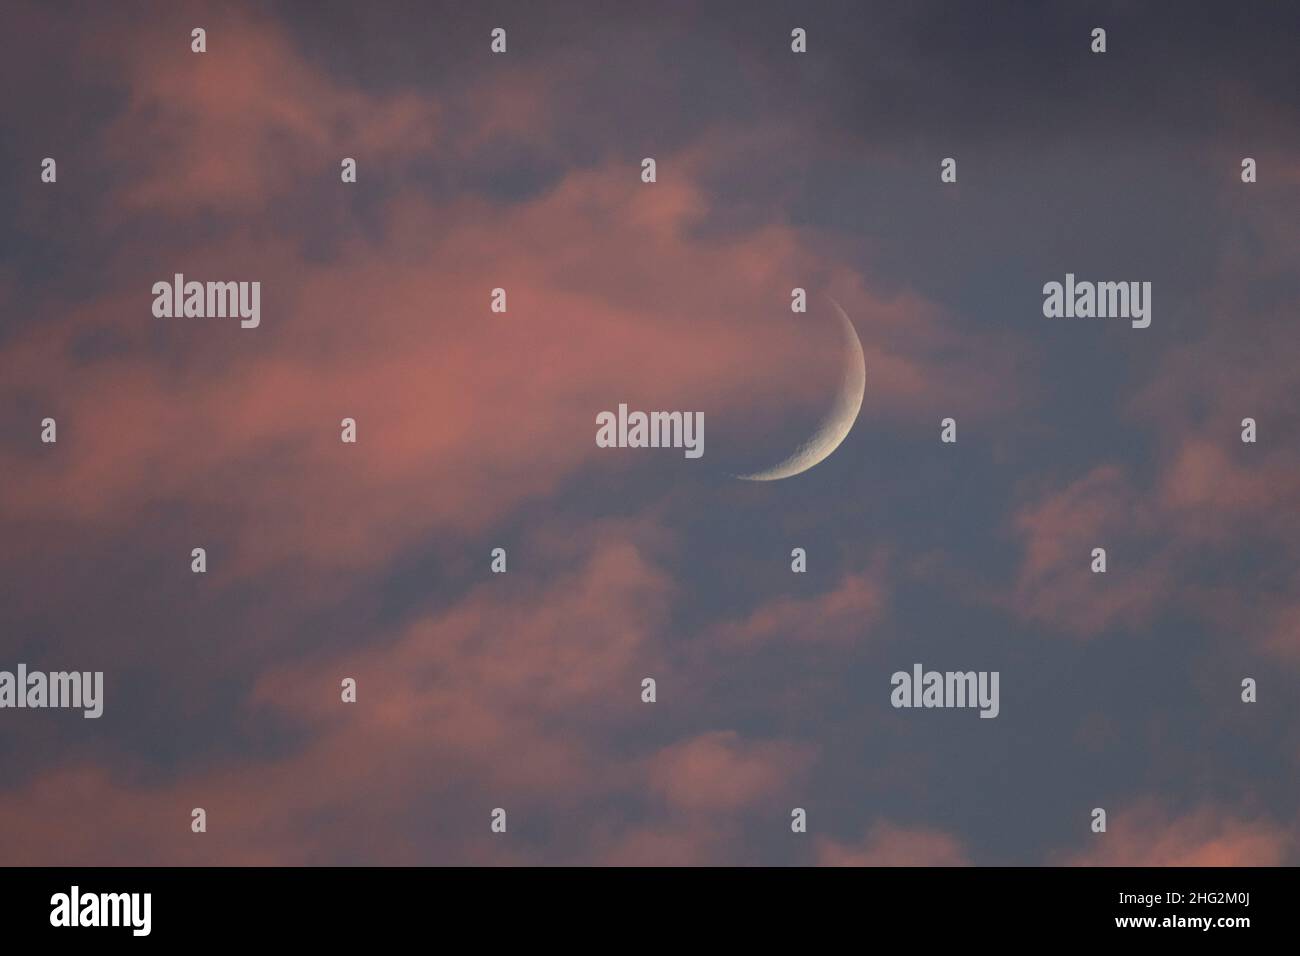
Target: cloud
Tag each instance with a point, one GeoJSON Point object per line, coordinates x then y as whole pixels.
{"type": "Point", "coordinates": [1056, 586]}
{"type": "Point", "coordinates": [463, 414]}
{"type": "Point", "coordinates": [525, 697]}
{"type": "Point", "coordinates": [721, 772]}
{"type": "Point", "coordinates": [248, 119]}
{"type": "Point", "coordinates": [888, 844]}
{"type": "Point", "coordinates": [841, 615]}
{"type": "Point", "coordinates": [1145, 835]}
{"type": "Point", "coordinates": [476, 429]}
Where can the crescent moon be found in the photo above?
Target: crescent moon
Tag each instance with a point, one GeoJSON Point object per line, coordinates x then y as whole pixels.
{"type": "Point", "coordinates": [838, 421]}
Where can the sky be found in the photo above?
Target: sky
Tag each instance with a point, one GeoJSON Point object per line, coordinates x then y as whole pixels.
{"type": "Point", "coordinates": [476, 430]}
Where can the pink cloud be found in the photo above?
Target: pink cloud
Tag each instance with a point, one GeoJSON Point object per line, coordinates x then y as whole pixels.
{"type": "Point", "coordinates": [245, 120]}
{"type": "Point", "coordinates": [720, 771]}
{"type": "Point", "coordinates": [888, 844]}
{"type": "Point", "coordinates": [1056, 586]}
{"type": "Point", "coordinates": [1144, 835]}
{"type": "Point", "coordinates": [845, 613]}
{"type": "Point", "coordinates": [512, 697]}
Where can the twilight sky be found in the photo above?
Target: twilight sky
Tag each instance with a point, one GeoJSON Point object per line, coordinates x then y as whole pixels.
{"type": "Point", "coordinates": [476, 430]}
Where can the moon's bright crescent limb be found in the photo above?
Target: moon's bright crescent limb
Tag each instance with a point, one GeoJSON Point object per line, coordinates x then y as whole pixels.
{"type": "Point", "coordinates": [838, 422]}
